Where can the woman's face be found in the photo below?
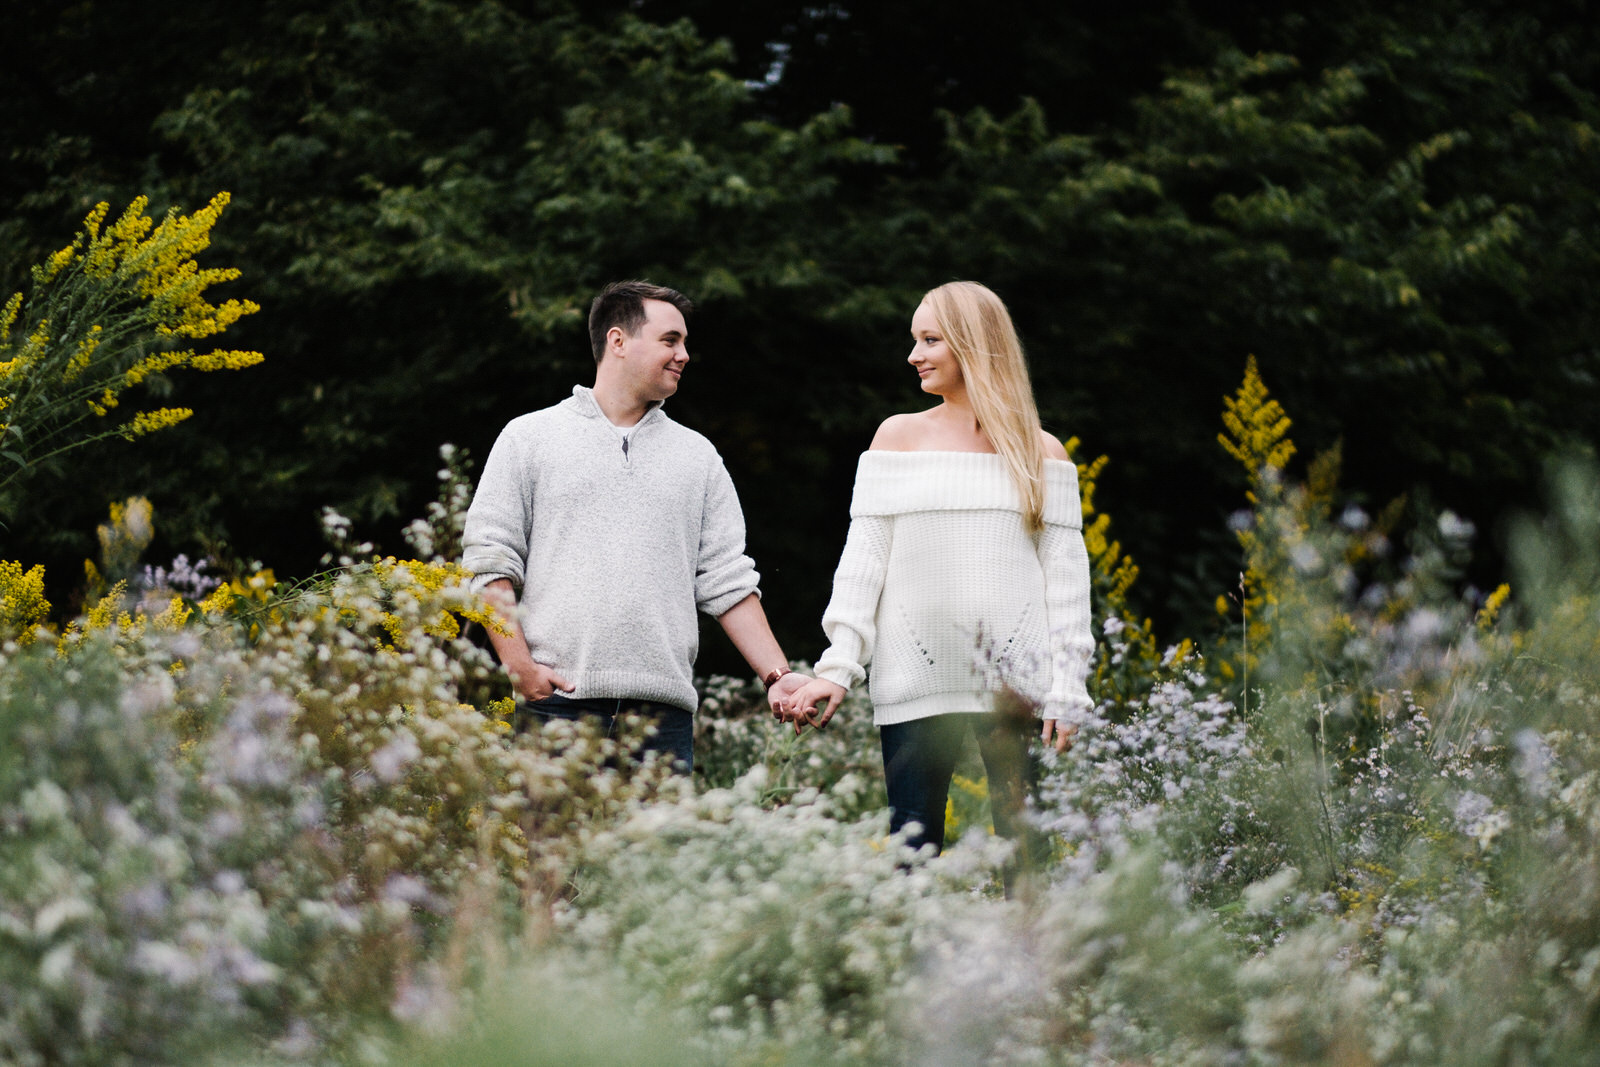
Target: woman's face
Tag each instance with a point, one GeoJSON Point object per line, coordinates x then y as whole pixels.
{"type": "Point", "coordinates": [934, 362]}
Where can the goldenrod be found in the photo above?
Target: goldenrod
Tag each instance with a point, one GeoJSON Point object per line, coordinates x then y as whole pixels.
{"type": "Point", "coordinates": [8, 315]}
{"type": "Point", "coordinates": [151, 421]}
{"type": "Point", "coordinates": [1491, 607]}
{"type": "Point", "coordinates": [1257, 428]}
{"type": "Point", "coordinates": [88, 325]}
{"type": "Point", "coordinates": [22, 601]}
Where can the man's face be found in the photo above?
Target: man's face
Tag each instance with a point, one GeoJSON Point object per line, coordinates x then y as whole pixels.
{"type": "Point", "coordinates": [655, 356]}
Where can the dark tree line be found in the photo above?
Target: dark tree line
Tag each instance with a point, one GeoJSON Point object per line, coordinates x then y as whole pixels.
{"type": "Point", "coordinates": [1395, 210]}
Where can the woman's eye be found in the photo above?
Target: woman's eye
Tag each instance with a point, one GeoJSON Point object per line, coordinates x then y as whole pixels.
{"type": "Point", "coordinates": [930, 340]}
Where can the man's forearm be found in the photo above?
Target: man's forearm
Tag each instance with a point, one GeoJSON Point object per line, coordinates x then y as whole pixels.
{"type": "Point", "coordinates": [746, 626]}
{"type": "Point", "coordinates": [511, 647]}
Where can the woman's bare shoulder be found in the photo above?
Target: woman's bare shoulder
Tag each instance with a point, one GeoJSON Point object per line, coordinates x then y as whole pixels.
{"type": "Point", "coordinates": [900, 433]}
{"type": "Point", "coordinates": [1053, 449]}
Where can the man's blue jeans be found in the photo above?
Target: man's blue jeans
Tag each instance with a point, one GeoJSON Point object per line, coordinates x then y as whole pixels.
{"type": "Point", "coordinates": [674, 736]}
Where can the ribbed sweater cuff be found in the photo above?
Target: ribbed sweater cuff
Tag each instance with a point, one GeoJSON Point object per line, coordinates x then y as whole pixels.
{"type": "Point", "coordinates": [722, 603]}
{"type": "Point", "coordinates": [480, 582]}
{"type": "Point", "coordinates": [839, 676]}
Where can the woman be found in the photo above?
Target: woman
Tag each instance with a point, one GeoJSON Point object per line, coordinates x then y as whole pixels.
{"type": "Point", "coordinates": [964, 580]}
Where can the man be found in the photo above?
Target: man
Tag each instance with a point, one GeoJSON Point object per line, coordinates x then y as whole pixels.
{"type": "Point", "coordinates": [600, 526]}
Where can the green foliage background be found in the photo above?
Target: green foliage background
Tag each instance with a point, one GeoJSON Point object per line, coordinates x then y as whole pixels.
{"type": "Point", "coordinates": [1396, 211]}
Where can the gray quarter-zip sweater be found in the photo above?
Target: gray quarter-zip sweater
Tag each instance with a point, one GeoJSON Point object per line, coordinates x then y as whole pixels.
{"type": "Point", "coordinates": [613, 537]}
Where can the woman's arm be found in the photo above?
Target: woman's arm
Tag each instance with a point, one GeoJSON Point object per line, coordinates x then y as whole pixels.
{"type": "Point", "coordinates": [1065, 562]}
{"type": "Point", "coordinates": [850, 621]}
{"type": "Point", "coordinates": [851, 618]}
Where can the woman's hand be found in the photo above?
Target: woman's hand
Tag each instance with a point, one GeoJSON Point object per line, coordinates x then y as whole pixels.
{"type": "Point", "coordinates": [778, 695]}
{"type": "Point", "coordinates": [801, 707]}
{"type": "Point", "coordinates": [1059, 734]}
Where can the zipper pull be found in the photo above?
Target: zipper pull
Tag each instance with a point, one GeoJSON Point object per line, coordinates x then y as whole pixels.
{"type": "Point", "coordinates": [624, 446]}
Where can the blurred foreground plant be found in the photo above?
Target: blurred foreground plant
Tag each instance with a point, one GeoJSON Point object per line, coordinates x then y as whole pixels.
{"type": "Point", "coordinates": [254, 819]}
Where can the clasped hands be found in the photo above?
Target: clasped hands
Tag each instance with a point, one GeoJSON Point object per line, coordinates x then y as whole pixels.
{"type": "Point", "coordinates": [803, 701]}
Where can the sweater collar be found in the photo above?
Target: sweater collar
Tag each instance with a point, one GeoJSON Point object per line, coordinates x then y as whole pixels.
{"type": "Point", "coordinates": [583, 402]}
{"type": "Point", "coordinates": [892, 483]}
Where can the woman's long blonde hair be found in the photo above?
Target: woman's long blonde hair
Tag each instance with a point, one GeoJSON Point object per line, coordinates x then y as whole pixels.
{"type": "Point", "coordinates": [978, 330]}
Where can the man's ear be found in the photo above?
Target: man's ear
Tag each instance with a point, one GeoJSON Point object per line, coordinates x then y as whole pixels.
{"type": "Point", "coordinates": [616, 339]}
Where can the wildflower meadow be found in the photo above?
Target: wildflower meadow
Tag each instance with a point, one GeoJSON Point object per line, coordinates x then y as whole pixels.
{"type": "Point", "coordinates": [248, 820]}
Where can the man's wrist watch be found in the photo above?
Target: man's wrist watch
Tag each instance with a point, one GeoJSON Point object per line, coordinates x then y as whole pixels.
{"type": "Point", "coordinates": [770, 679]}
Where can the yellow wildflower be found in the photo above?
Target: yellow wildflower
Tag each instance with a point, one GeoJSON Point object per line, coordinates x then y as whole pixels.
{"type": "Point", "coordinates": [99, 261]}
{"type": "Point", "coordinates": [220, 600]}
{"type": "Point", "coordinates": [500, 711]}
{"type": "Point", "coordinates": [964, 804]}
{"type": "Point", "coordinates": [1106, 556]}
{"type": "Point", "coordinates": [37, 341]}
{"type": "Point", "coordinates": [105, 614]}
{"type": "Point", "coordinates": [57, 262]}
{"type": "Point", "coordinates": [153, 364]}
{"type": "Point", "coordinates": [92, 221]}
{"type": "Point", "coordinates": [107, 401]}
{"type": "Point", "coordinates": [168, 255]}
{"type": "Point", "coordinates": [151, 421]}
{"type": "Point", "coordinates": [1257, 428]}
{"type": "Point", "coordinates": [8, 315]}
{"type": "Point", "coordinates": [237, 596]}
{"type": "Point", "coordinates": [22, 602]}
{"type": "Point", "coordinates": [80, 359]}
{"type": "Point", "coordinates": [1322, 475]}
{"type": "Point", "coordinates": [258, 586]}
{"type": "Point", "coordinates": [124, 539]}
{"type": "Point", "coordinates": [1491, 607]}
{"type": "Point", "coordinates": [1113, 574]}
{"type": "Point", "coordinates": [124, 236]}
{"type": "Point", "coordinates": [175, 616]}
{"type": "Point", "coordinates": [225, 360]}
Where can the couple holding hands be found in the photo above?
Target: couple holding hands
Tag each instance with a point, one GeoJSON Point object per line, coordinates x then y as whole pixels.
{"type": "Point", "coordinates": [600, 527]}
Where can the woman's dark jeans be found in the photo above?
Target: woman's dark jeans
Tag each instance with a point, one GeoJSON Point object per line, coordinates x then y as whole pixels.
{"type": "Point", "coordinates": [674, 735]}
{"type": "Point", "coordinates": [919, 759]}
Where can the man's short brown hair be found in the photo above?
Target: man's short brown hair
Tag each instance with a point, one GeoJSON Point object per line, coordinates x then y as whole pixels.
{"type": "Point", "coordinates": [621, 304]}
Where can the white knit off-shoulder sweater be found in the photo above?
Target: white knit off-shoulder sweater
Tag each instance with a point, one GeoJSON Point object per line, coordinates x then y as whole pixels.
{"type": "Point", "coordinates": [947, 597]}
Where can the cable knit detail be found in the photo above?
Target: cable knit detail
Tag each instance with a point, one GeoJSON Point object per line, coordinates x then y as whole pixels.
{"type": "Point", "coordinates": [942, 591]}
